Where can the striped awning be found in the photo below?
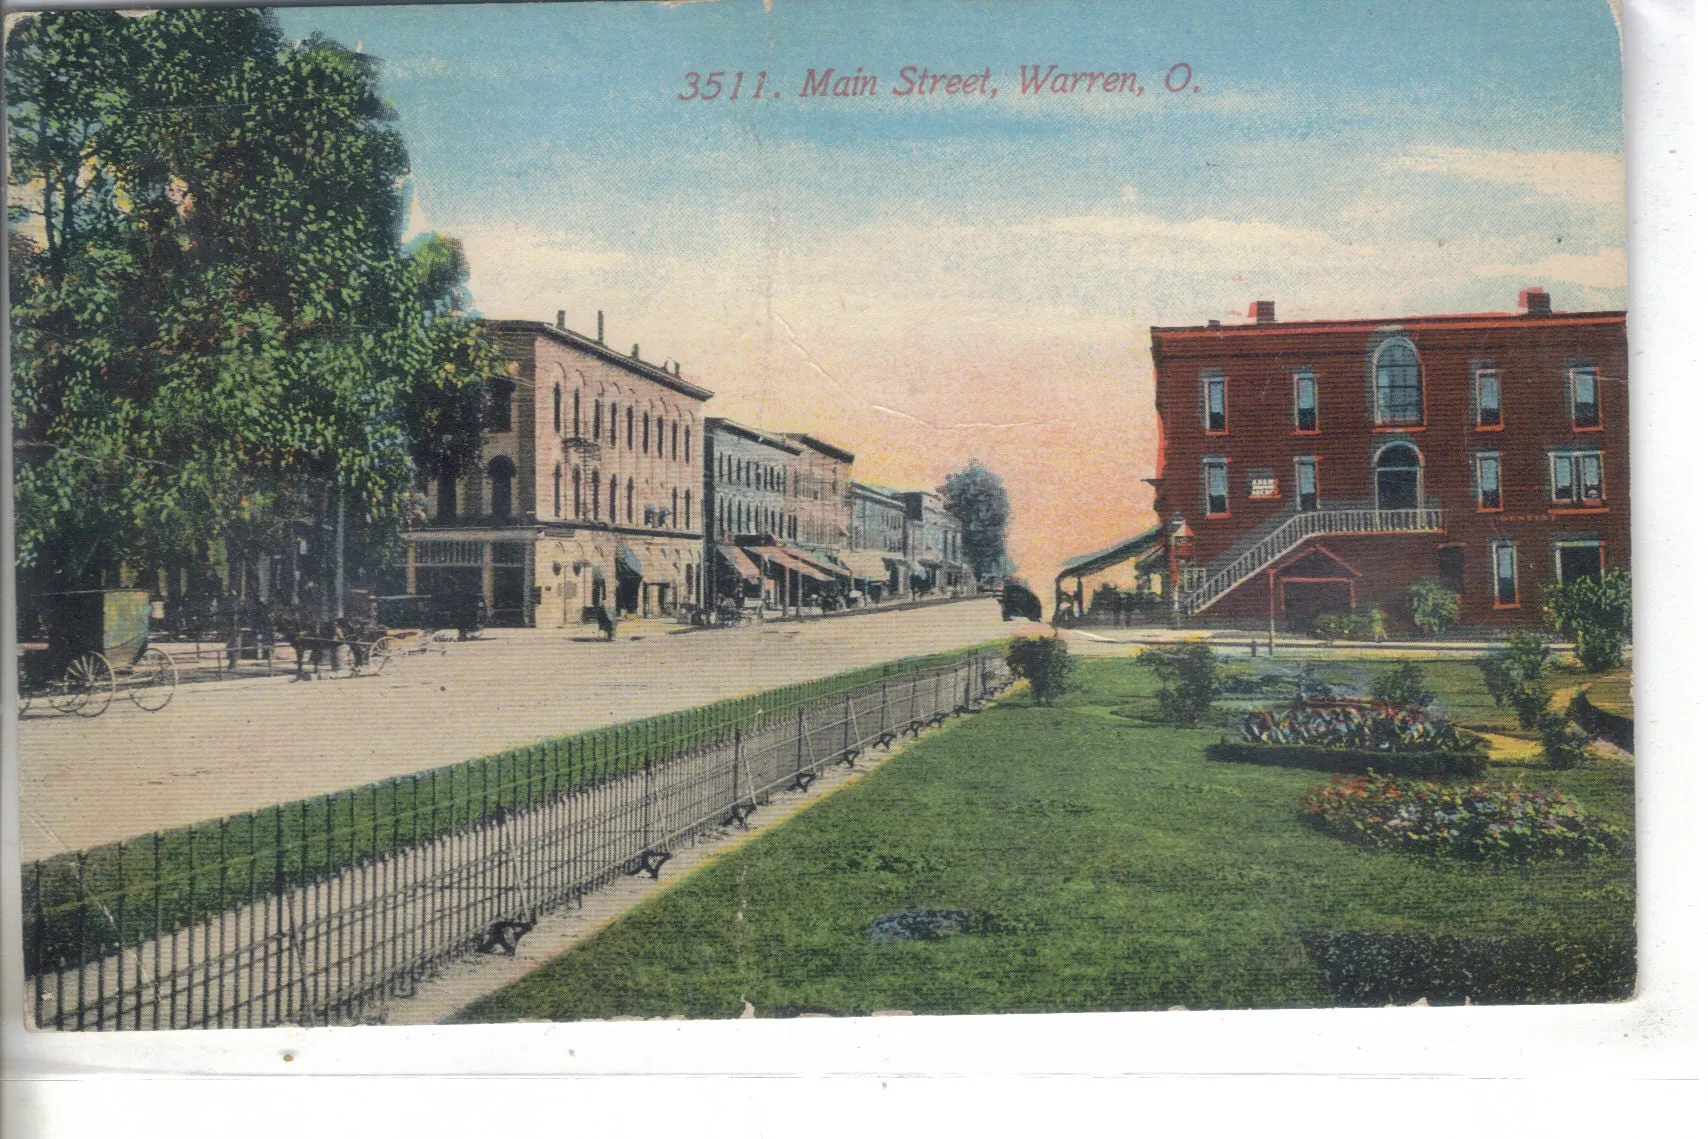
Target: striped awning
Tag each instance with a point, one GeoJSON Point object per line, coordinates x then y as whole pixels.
{"type": "Point", "coordinates": [742, 562]}
{"type": "Point", "coordinates": [868, 565]}
{"type": "Point", "coordinates": [793, 561]}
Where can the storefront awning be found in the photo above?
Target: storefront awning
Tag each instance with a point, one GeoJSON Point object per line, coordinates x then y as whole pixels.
{"type": "Point", "coordinates": [792, 561]}
{"type": "Point", "coordinates": [742, 562]}
{"type": "Point", "coordinates": [868, 565]}
{"type": "Point", "coordinates": [648, 564]}
{"type": "Point", "coordinates": [1145, 548]}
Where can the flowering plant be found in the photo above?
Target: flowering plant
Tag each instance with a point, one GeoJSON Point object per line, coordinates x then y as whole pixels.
{"type": "Point", "coordinates": [1473, 820]}
{"type": "Point", "coordinates": [1377, 727]}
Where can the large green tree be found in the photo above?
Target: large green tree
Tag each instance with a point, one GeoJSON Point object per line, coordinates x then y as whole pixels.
{"type": "Point", "coordinates": [218, 338]}
{"type": "Point", "coordinates": [975, 496]}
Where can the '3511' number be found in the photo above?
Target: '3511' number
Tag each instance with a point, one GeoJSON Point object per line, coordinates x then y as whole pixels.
{"type": "Point", "coordinates": [711, 86]}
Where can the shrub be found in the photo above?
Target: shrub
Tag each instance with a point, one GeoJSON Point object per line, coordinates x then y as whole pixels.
{"type": "Point", "coordinates": [1564, 744]}
{"type": "Point", "coordinates": [1467, 820]}
{"type": "Point", "coordinates": [1596, 613]}
{"type": "Point", "coordinates": [1190, 677]}
{"type": "Point", "coordinates": [1366, 623]}
{"type": "Point", "coordinates": [1379, 968]}
{"type": "Point", "coordinates": [1433, 606]}
{"type": "Point", "coordinates": [1044, 663]}
{"type": "Point", "coordinates": [1514, 677]}
{"type": "Point", "coordinates": [1403, 688]}
{"type": "Point", "coordinates": [1438, 764]}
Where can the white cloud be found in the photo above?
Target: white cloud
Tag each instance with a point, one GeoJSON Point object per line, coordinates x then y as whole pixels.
{"type": "Point", "coordinates": [1573, 176]}
{"type": "Point", "coordinates": [1603, 269]}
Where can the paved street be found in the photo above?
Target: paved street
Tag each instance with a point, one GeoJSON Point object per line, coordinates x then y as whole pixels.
{"type": "Point", "coordinates": [224, 748]}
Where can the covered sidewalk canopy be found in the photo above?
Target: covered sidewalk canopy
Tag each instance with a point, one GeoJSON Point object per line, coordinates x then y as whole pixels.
{"type": "Point", "coordinates": [648, 564]}
{"type": "Point", "coordinates": [794, 560]}
{"type": "Point", "coordinates": [868, 565]}
{"type": "Point", "coordinates": [1146, 549]}
{"type": "Point", "coordinates": [742, 562]}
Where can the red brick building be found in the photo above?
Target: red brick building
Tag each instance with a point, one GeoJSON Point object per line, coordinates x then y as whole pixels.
{"type": "Point", "coordinates": [1318, 466]}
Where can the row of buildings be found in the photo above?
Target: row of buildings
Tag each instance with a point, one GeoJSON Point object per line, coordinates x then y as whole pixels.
{"type": "Point", "coordinates": [1309, 467]}
{"type": "Point", "coordinates": [603, 483]}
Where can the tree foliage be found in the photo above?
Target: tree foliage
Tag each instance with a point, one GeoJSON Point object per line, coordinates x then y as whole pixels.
{"type": "Point", "coordinates": [1434, 607]}
{"type": "Point", "coordinates": [1596, 613]}
{"type": "Point", "coordinates": [216, 334]}
{"type": "Point", "coordinates": [975, 497]}
{"type": "Point", "coordinates": [1191, 678]}
{"type": "Point", "coordinates": [1044, 663]}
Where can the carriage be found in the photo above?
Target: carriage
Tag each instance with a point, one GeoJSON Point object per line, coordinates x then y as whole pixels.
{"type": "Point", "coordinates": [97, 645]}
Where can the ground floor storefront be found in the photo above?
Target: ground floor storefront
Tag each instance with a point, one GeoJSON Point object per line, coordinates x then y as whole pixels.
{"type": "Point", "coordinates": [553, 576]}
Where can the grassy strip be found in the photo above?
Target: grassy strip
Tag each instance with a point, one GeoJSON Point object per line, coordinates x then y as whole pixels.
{"type": "Point", "coordinates": [82, 905]}
{"type": "Point", "coordinates": [1107, 866]}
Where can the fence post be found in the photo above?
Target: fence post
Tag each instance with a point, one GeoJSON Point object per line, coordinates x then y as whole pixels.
{"type": "Point", "coordinates": [735, 774]}
{"type": "Point", "coordinates": [800, 736]}
{"type": "Point", "coordinates": [847, 720]}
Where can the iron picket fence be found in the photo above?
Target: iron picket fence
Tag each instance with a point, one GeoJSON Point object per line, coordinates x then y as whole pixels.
{"type": "Point", "coordinates": [317, 912]}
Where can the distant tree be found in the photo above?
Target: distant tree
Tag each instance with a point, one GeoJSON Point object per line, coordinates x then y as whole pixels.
{"type": "Point", "coordinates": [975, 497]}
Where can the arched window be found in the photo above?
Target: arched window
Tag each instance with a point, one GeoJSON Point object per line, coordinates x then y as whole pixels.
{"type": "Point", "coordinates": [1398, 466]}
{"type": "Point", "coordinates": [593, 488]}
{"type": "Point", "coordinates": [613, 502]}
{"type": "Point", "coordinates": [630, 515]}
{"type": "Point", "coordinates": [502, 472]}
{"type": "Point", "coordinates": [687, 510]}
{"type": "Point", "coordinates": [598, 419]}
{"type": "Point", "coordinates": [575, 490]}
{"type": "Point", "coordinates": [1399, 384]}
{"type": "Point", "coordinates": [646, 433]}
{"type": "Point", "coordinates": [557, 491]}
{"type": "Point", "coordinates": [629, 433]}
{"type": "Point", "coordinates": [557, 411]}
{"type": "Point", "coordinates": [613, 435]}
{"type": "Point", "coordinates": [575, 413]}
{"type": "Point", "coordinates": [447, 498]}
{"type": "Point", "coordinates": [688, 446]}
{"type": "Point", "coordinates": [498, 394]}
{"type": "Point", "coordinates": [675, 428]}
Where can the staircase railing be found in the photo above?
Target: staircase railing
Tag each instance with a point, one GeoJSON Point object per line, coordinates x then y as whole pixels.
{"type": "Point", "coordinates": [1295, 528]}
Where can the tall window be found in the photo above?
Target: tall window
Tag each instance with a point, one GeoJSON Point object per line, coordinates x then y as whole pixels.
{"type": "Point", "coordinates": [501, 471]}
{"type": "Point", "coordinates": [1586, 398]}
{"type": "Point", "coordinates": [613, 428]}
{"type": "Point", "coordinates": [1505, 575]}
{"type": "Point", "coordinates": [675, 504]}
{"type": "Point", "coordinates": [687, 447]}
{"type": "Point", "coordinates": [557, 409]}
{"type": "Point", "coordinates": [1450, 567]}
{"type": "Point", "coordinates": [629, 433]}
{"type": "Point", "coordinates": [1215, 487]}
{"type": "Point", "coordinates": [1573, 560]}
{"type": "Point", "coordinates": [1488, 482]}
{"type": "Point", "coordinates": [575, 413]}
{"type": "Point", "coordinates": [646, 433]}
{"type": "Point", "coordinates": [613, 499]}
{"type": "Point", "coordinates": [575, 490]}
{"type": "Point", "coordinates": [630, 513]}
{"type": "Point", "coordinates": [593, 489]}
{"type": "Point", "coordinates": [1577, 478]}
{"type": "Point", "coordinates": [557, 491]}
{"type": "Point", "coordinates": [675, 430]}
{"type": "Point", "coordinates": [498, 393]}
{"type": "Point", "coordinates": [1305, 475]}
{"type": "Point", "coordinates": [447, 498]}
{"type": "Point", "coordinates": [1305, 401]}
{"type": "Point", "coordinates": [1399, 384]}
{"type": "Point", "coordinates": [1488, 398]}
{"type": "Point", "coordinates": [687, 510]}
{"type": "Point", "coordinates": [1215, 402]}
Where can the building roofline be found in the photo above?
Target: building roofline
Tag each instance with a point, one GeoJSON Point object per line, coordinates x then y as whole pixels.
{"type": "Point", "coordinates": [1371, 324]}
{"type": "Point", "coordinates": [874, 490]}
{"type": "Point", "coordinates": [718, 423]}
{"type": "Point", "coordinates": [819, 445]}
{"type": "Point", "coordinates": [604, 352]}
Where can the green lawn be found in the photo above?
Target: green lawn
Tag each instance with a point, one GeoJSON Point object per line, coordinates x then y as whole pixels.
{"type": "Point", "coordinates": [1118, 867]}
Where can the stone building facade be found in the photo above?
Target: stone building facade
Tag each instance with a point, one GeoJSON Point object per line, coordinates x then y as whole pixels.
{"type": "Point", "coordinates": [588, 491]}
{"type": "Point", "coordinates": [933, 544]}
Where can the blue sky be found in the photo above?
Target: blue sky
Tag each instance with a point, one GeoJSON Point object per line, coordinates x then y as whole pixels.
{"type": "Point", "coordinates": [937, 279]}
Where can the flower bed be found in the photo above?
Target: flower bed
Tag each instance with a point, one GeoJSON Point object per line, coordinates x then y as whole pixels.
{"type": "Point", "coordinates": [1467, 820]}
{"type": "Point", "coordinates": [1355, 726]}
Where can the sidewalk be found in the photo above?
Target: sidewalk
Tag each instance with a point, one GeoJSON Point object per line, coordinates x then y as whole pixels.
{"type": "Point", "coordinates": [1112, 638]}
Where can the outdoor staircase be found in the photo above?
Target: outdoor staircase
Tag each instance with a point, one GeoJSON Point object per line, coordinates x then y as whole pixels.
{"type": "Point", "coordinates": [1247, 559]}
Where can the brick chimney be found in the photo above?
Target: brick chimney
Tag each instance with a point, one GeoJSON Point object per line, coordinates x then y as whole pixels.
{"type": "Point", "coordinates": [1535, 302]}
{"type": "Point", "coordinates": [601, 335]}
{"type": "Point", "coordinates": [1263, 312]}
{"type": "Point", "coordinates": [560, 315]}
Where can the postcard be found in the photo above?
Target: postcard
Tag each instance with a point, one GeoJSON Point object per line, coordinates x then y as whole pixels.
{"type": "Point", "coordinates": [805, 511]}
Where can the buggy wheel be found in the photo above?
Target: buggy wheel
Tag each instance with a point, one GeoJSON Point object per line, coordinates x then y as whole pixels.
{"type": "Point", "coordinates": [87, 687]}
{"type": "Point", "coordinates": [154, 681]}
{"type": "Point", "coordinates": [380, 654]}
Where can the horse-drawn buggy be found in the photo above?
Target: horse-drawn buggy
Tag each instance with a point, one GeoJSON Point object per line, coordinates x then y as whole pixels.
{"type": "Point", "coordinates": [97, 645]}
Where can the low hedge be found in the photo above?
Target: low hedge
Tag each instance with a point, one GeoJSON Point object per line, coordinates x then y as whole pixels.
{"type": "Point", "coordinates": [1353, 761]}
{"type": "Point", "coordinates": [1374, 969]}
